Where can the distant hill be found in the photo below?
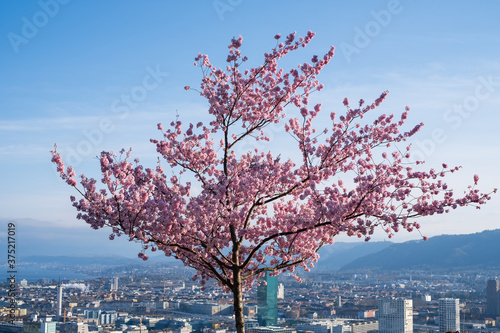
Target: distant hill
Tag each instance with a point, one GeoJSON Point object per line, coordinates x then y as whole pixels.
{"type": "Point", "coordinates": [80, 260]}
{"type": "Point", "coordinates": [335, 256]}
{"type": "Point", "coordinates": [73, 239]}
{"type": "Point", "coordinates": [65, 243]}
{"type": "Point", "coordinates": [444, 252]}
{"type": "Point", "coordinates": [113, 260]}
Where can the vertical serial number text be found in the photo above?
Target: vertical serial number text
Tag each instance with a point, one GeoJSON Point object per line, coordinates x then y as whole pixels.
{"type": "Point", "coordinates": [11, 272]}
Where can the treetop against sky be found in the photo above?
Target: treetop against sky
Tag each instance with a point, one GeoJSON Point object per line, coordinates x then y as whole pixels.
{"type": "Point", "coordinates": [256, 211]}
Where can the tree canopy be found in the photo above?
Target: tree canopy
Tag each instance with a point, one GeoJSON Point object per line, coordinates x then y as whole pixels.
{"type": "Point", "coordinates": [261, 211]}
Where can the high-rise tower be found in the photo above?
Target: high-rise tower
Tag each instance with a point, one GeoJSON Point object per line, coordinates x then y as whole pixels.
{"type": "Point", "coordinates": [395, 316]}
{"type": "Point", "coordinates": [59, 301]}
{"type": "Point", "coordinates": [267, 300]}
{"type": "Point", "coordinates": [114, 284]}
{"type": "Point", "coordinates": [449, 315]}
{"type": "Point", "coordinates": [281, 291]}
{"type": "Point", "coordinates": [493, 305]}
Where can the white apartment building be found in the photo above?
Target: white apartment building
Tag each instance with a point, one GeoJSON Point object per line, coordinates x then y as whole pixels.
{"type": "Point", "coordinates": [395, 316]}
{"type": "Point", "coordinates": [449, 315]}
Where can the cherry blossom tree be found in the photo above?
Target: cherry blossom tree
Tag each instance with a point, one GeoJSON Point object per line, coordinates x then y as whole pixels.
{"type": "Point", "coordinates": [256, 211]}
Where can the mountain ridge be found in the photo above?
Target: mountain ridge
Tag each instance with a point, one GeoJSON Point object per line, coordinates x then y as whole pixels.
{"type": "Point", "coordinates": [445, 252]}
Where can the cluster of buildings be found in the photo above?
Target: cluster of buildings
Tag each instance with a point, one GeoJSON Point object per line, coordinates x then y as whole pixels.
{"type": "Point", "coordinates": [358, 304]}
{"type": "Point", "coordinates": [396, 315]}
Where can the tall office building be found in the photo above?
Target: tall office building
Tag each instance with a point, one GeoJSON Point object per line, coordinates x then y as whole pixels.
{"type": "Point", "coordinates": [449, 315]}
{"type": "Point", "coordinates": [281, 291]}
{"type": "Point", "coordinates": [267, 300]}
{"type": "Point", "coordinates": [395, 316]}
{"type": "Point", "coordinates": [492, 303]}
{"type": "Point", "coordinates": [114, 284]}
{"type": "Point", "coordinates": [59, 301]}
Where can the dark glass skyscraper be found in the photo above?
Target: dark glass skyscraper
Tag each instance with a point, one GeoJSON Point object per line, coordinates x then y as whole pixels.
{"type": "Point", "coordinates": [492, 297]}
{"type": "Point", "coordinates": [267, 300]}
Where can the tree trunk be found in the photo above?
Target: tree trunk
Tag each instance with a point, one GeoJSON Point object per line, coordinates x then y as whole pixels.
{"type": "Point", "coordinates": [238, 302]}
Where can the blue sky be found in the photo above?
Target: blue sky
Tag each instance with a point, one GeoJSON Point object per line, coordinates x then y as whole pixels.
{"type": "Point", "coordinates": [68, 66]}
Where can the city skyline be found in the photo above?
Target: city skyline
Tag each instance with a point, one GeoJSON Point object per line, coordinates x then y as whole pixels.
{"type": "Point", "coordinates": [104, 84]}
{"type": "Point", "coordinates": [425, 300]}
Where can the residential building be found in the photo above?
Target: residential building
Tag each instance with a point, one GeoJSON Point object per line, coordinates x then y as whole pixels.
{"type": "Point", "coordinates": [108, 317]}
{"type": "Point", "coordinates": [364, 326]}
{"type": "Point", "coordinates": [281, 291]}
{"type": "Point", "coordinates": [39, 327]}
{"type": "Point", "coordinates": [395, 316]}
{"type": "Point", "coordinates": [114, 284]}
{"type": "Point", "coordinates": [72, 328]}
{"type": "Point", "coordinates": [316, 326]}
{"type": "Point", "coordinates": [449, 315]}
{"type": "Point", "coordinates": [271, 329]}
{"type": "Point", "coordinates": [10, 328]}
